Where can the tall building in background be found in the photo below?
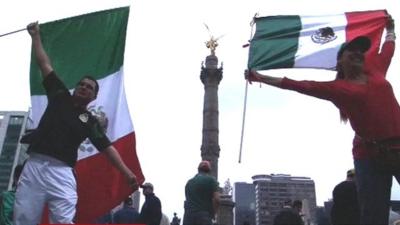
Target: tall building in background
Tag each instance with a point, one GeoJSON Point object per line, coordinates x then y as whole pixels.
{"type": "Point", "coordinates": [272, 190]}
{"type": "Point", "coordinates": [245, 203]}
{"type": "Point", "coordinates": [12, 126]}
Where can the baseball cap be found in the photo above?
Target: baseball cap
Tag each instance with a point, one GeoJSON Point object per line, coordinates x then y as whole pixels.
{"type": "Point", "coordinates": [351, 172]}
{"type": "Point", "coordinates": [361, 43]}
{"type": "Point", "coordinates": [147, 185]}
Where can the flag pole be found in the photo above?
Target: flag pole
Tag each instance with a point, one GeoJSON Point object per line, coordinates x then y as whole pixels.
{"type": "Point", "coordinates": [245, 96]}
{"type": "Point", "coordinates": [243, 121]}
{"type": "Point", "coordinates": [12, 32]}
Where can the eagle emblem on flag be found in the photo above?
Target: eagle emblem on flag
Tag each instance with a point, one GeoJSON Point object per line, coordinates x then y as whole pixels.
{"type": "Point", "coordinates": [323, 35]}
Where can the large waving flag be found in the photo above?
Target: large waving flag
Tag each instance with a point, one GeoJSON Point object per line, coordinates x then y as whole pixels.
{"type": "Point", "coordinates": [310, 41]}
{"type": "Point", "coordinates": [93, 44]}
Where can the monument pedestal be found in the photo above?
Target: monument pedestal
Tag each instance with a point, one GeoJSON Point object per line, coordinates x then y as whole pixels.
{"type": "Point", "coordinates": [225, 210]}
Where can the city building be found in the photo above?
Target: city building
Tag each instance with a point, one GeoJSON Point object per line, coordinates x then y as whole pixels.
{"type": "Point", "coordinates": [271, 191]}
{"type": "Point", "coordinates": [322, 216]}
{"type": "Point", "coordinates": [245, 203]}
{"type": "Point", "coordinates": [12, 126]}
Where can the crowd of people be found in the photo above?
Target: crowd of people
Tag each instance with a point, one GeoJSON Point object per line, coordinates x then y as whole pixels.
{"type": "Point", "coordinates": [201, 203]}
{"type": "Point", "coordinates": [150, 214]}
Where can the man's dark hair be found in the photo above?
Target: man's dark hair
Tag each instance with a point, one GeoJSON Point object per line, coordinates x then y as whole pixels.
{"type": "Point", "coordinates": [96, 89]}
{"type": "Point", "coordinates": [297, 203]}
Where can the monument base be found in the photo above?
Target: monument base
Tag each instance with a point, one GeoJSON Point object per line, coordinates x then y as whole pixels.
{"type": "Point", "coordinates": [225, 211]}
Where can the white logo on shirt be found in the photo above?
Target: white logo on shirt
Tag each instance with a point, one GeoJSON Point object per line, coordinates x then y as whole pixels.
{"type": "Point", "coordinates": [84, 117]}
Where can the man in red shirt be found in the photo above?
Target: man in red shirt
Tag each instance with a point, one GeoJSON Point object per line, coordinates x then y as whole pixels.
{"type": "Point", "coordinates": [366, 99]}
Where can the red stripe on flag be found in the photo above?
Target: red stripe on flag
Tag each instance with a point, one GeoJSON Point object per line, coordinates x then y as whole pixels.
{"type": "Point", "coordinates": [367, 23]}
{"type": "Point", "coordinates": [101, 186]}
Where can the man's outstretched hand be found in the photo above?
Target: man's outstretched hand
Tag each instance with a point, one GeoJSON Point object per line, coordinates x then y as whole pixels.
{"type": "Point", "coordinates": [33, 28]}
{"type": "Point", "coordinates": [251, 76]}
{"type": "Point", "coordinates": [132, 181]}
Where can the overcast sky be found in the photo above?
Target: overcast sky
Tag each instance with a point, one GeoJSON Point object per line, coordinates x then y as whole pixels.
{"type": "Point", "coordinates": [284, 133]}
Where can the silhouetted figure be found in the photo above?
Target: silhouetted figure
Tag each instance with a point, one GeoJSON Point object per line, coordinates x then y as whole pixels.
{"type": "Point", "coordinates": [298, 208]}
{"type": "Point", "coordinates": [151, 210]}
{"type": "Point", "coordinates": [345, 209]}
{"type": "Point", "coordinates": [127, 214]}
{"type": "Point", "coordinates": [288, 215]}
{"type": "Point", "coordinates": [175, 220]}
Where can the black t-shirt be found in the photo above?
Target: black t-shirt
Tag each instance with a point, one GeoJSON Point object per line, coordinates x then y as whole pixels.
{"type": "Point", "coordinates": [345, 209]}
{"type": "Point", "coordinates": [151, 212]}
{"type": "Point", "coordinates": [63, 126]}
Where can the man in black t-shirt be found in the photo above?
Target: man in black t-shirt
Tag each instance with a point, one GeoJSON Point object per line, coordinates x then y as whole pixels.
{"type": "Point", "coordinates": [47, 177]}
{"type": "Point", "coordinates": [345, 208]}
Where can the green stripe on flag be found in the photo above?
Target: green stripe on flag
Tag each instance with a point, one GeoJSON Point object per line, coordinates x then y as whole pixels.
{"type": "Point", "coordinates": [91, 44]}
{"type": "Point", "coordinates": [275, 42]}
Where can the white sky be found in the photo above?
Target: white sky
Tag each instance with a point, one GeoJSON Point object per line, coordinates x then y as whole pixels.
{"type": "Point", "coordinates": [285, 132]}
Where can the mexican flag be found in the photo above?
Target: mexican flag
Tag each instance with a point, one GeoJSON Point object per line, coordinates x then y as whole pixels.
{"type": "Point", "coordinates": [93, 44]}
{"type": "Point", "coordinates": [293, 41]}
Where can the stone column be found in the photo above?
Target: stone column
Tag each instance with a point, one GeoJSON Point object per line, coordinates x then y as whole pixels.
{"type": "Point", "coordinates": [211, 75]}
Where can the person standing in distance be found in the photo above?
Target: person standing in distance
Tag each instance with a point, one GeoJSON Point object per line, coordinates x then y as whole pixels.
{"type": "Point", "coordinates": [127, 214]}
{"type": "Point", "coordinates": [151, 212]}
{"type": "Point", "coordinates": [48, 176]}
{"type": "Point", "coordinates": [202, 197]}
{"type": "Point", "coordinates": [345, 209]}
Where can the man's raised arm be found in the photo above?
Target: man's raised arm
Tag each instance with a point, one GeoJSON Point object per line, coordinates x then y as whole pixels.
{"type": "Point", "coordinates": [41, 56]}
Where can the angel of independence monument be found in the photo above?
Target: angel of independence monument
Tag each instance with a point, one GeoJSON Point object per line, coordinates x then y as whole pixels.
{"type": "Point", "coordinates": [211, 76]}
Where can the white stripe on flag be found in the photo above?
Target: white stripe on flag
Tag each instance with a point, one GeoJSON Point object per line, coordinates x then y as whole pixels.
{"type": "Point", "coordinates": [326, 56]}
{"type": "Point", "coordinates": [113, 100]}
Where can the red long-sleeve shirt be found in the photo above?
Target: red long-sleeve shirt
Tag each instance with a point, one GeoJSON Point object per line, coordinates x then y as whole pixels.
{"type": "Point", "coordinates": [372, 108]}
